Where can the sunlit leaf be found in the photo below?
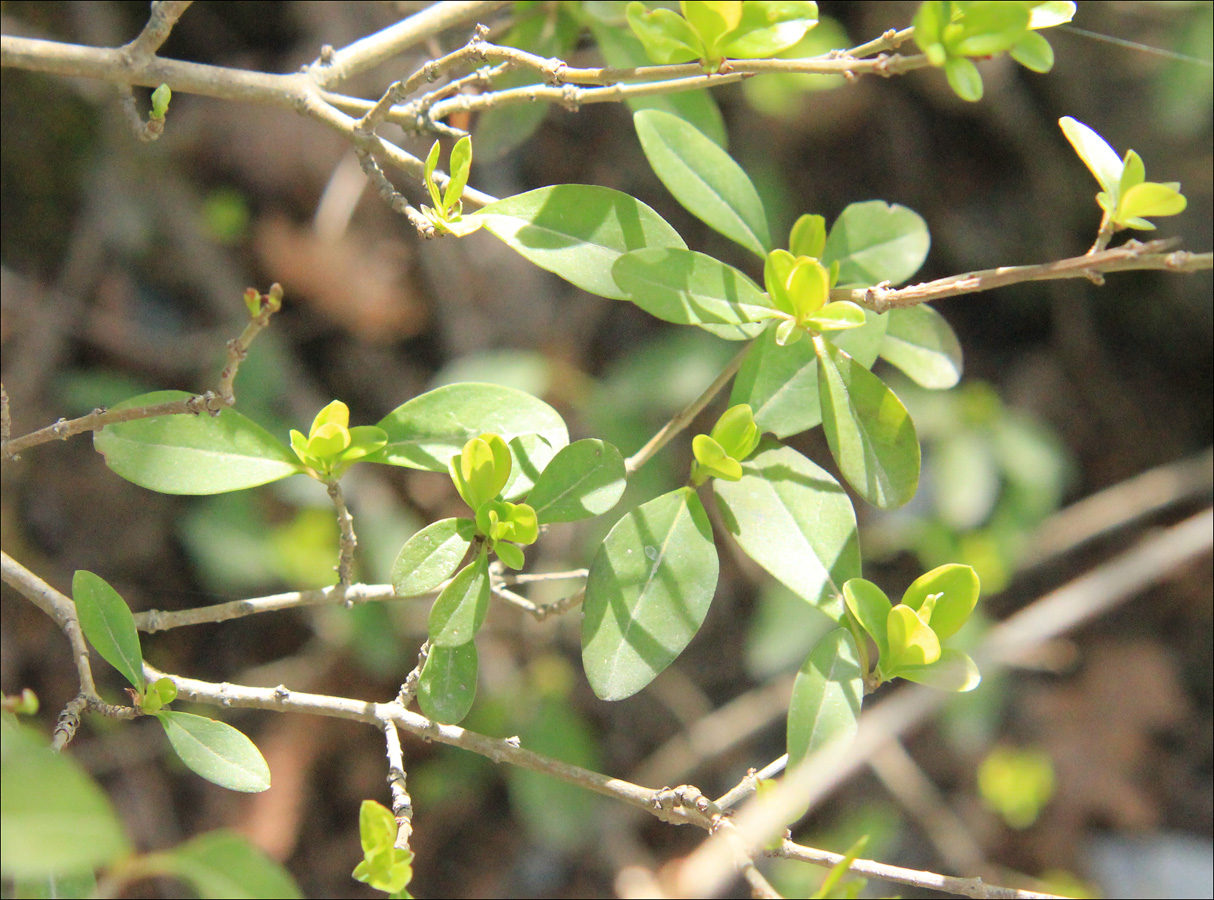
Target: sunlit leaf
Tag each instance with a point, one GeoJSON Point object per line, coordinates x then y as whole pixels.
{"type": "Point", "coordinates": [1101, 159]}
{"type": "Point", "coordinates": [870, 433]}
{"type": "Point", "coordinates": [193, 454]}
{"type": "Point", "coordinates": [460, 609]}
{"type": "Point", "coordinates": [109, 625]}
{"type": "Point", "coordinates": [216, 751]}
{"type": "Point", "coordinates": [648, 591]}
{"type": "Point", "coordinates": [953, 671]}
{"type": "Point", "coordinates": [704, 178]}
{"type": "Point", "coordinates": [877, 241]}
{"type": "Point", "coordinates": [920, 342]}
{"type": "Point", "coordinates": [584, 479]}
{"type": "Point", "coordinates": [431, 556]}
{"type": "Point", "coordinates": [425, 432]}
{"type": "Point", "coordinates": [793, 519]}
{"type": "Point", "coordinates": [577, 231]}
{"type": "Point", "coordinates": [958, 587]}
{"type": "Point", "coordinates": [826, 696]}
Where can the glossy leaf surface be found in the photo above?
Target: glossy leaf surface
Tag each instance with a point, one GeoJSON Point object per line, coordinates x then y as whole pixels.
{"type": "Point", "coordinates": [691, 288]}
{"type": "Point", "coordinates": [577, 231]}
{"type": "Point", "coordinates": [870, 433]}
{"type": "Point", "coordinates": [704, 178]}
{"type": "Point", "coordinates": [216, 751]}
{"type": "Point", "coordinates": [585, 479]}
{"type": "Point", "coordinates": [109, 625]}
{"type": "Point", "coordinates": [826, 696]}
{"type": "Point", "coordinates": [793, 519]}
{"type": "Point", "coordinates": [425, 432]}
{"type": "Point", "coordinates": [920, 342]}
{"type": "Point", "coordinates": [188, 454]}
{"type": "Point", "coordinates": [780, 383]}
{"type": "Point", "coordinates": [648, 591]}
{"type": "Point", "coordinates": [431, 556]}
{"type": "Point", "coordinates": [877, 241]}
{"type": "Point", "coordinates": [460, 609]}
{"type": "Point", "coordinates": [448, 683]}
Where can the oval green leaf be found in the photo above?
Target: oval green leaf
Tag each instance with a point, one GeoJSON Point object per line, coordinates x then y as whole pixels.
{"type": "Point", "coordinates": [431, 556]}
{"type": "Point", "coordinates": [870, 433]}
{"type": "Point", "coordinates": [690, 288]}
{"type": "Point", "coordinates": [109, 625]}
{"type": "Point", "coordinates": [781, 383]}
{"type": "Point", "coordinates": [703, 178]}
{"type": "Point", "coordinates": [448, 683]}
{"type": "Point", "coordinates": [877, 241]}
{"type": "Point", "coordinates": [1101, 159]}
{"type": "Point", "coordinates": [826, 696]}
{"type": "Point", "coordinates": [222, 864]}
{"type": "Point", "coordinates": [648, 591]}
{"type": "Point", "coordinates": [577, 231]}
{"type": "Point", "coordinates": [460, 609]}
{"type": "Point", "coordinates": [216, 751]}
{"type": "Point", "coordinates": [793, 519]}
{"type": "Point", "coordinates": [585, 479]}
{"type": "Point", "coordinates": [54, 819]}
{"type": "Point", "coordinates": [953, 671]}
{"type": "Point", "coordinates": [911, 642]}
{"type": "Point", "coordinates": [871, 607]}
{"type": "Point", "coordinates": [959, 587]}
{"type": "Point", "coordinates": [193, 454]}
{"type": "Point", "coordinates": [922, 344]}
{"type": "Point", "coordinates": [425, 432]}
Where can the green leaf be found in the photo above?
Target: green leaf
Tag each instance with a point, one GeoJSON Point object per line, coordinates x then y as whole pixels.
{"type": "Point", "coordinates": [461, 168]}
{"type": "Point", "coordinates": [793, 519]}
{"type": "Point", "coordinates": [222, 864]}
{"type": "Point", "coordinates": [691, 288]}
{"type": "Point", "coordinates": [216, 751]}
{"type": "Point", "coordinates": [781, 383]}
{"type": "Point", "coordinates": [704, 178]}
{"type": "Point", "coordinates": [768, 28]}
{"type": "Point", "coordinates": [877, 241]}
{"type": "Point", "coordinates": [193, 454]}
{"type": "Point", "coordinates": [920, 342]}
{"type": "Point", "coordinates": [1101, 159]}
{"type": "Point", "coordinates": [826, 696]}
{"type": "Point", "coordinates": [648, 591]}
{"type": "Point", "coordinates": [431, 556]}
{"type": "Point", "coordinates": [1150, 199]}
{"type": "Point", "coordinates": [577, 231]}
{"type": "Point", "coordinates": [428, 174]}
{"type": "Point", "coordinates": [808, 236]}
{"type": "Point", "coordinates": [108, 624]}
{"type": "Point", "coordinates": [1034, 52]}
{"type": "Point", "coordinates": [54, 819]}
{"type": "Point", "coordinates": [460, 609]}
{"type": "Point", "coordinates": [1051, 13]}
{"type": "Point", "coordinates": [988, 28]}
{"type": "Point", "coordinates": [425, 432]}
{"type": "Point", "coordinates": [585, 479]}
{"type": "Point", "coordinates": [871, 607]}
{"type": "Point", "coordinates": [870, 433]}
{"type": "Point", "coordinates": [959, 587]}
{"type": "Point", "coordinates": [911, 642]}
{"type": "Point", "coordinates": [953, 671]}
{"type": "Point", "coordinates": [384, 866]}
{"type": "Point", "coordinates": [448, 683]}
{"type": "Point", "coordinates": [667, 37]}
{"type": "Point", "coordinates": [159, 694]}
{"type": "Point", "coordinates": [841, 315]}
{"type": "Point", "coordinates": [622, 50]}
{"type": "Point", "coordinates": [964, 78]}
{"type": "Point", "coordinates": [161, 97]}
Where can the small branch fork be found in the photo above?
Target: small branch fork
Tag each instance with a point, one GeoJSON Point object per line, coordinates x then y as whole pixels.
{"type": "Point", "coordinates": [210, 402]}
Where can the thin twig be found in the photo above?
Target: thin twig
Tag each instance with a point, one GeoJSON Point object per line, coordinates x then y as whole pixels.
{"type": "Point", "coordinates": [685, 416]}
{"type": "Point", "coordinates": [402, 804]}
{"type": "Point", "coordinates": [966, 887]}
{"type": "Point", "coordinates": [164, 16]}
{"type": "Point", "coordinates": [345, 525]}
{"type": "Point", "coordinates": [154, 620]}
{"type": "Point", "coordinates": [1129, 256]}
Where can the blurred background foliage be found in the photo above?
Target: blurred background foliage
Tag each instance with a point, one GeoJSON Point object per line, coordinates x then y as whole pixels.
{"type": "Point", "coordinates": [123, 266]}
